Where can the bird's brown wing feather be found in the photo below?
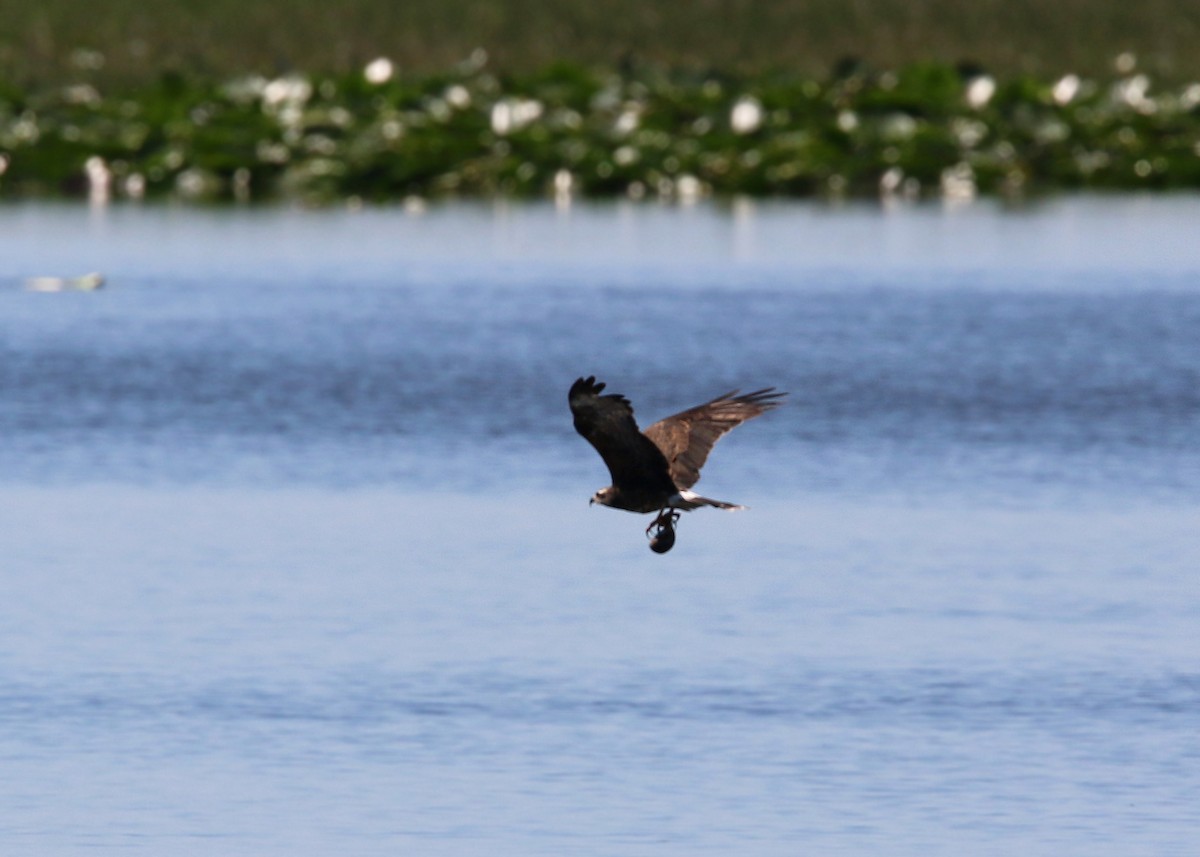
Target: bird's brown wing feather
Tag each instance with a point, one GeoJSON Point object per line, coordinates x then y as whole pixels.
{"type": "Point", "coordinates": [607, 423]}
{"type": "Point", "coordinates": [688, 437]}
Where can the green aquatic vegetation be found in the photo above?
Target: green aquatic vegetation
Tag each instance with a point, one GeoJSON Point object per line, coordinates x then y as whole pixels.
{"type": "Point", "coordinates": [378, 134]}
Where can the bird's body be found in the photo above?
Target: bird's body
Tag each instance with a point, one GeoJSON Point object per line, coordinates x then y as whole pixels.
{"type": "Point", "coordinates": [654, 470]}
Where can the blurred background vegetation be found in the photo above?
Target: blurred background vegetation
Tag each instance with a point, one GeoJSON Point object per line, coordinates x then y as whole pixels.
{"type": "Point", "coordinates": [122, 42]}
{"type": "Point", "coordinates": [387, 99]}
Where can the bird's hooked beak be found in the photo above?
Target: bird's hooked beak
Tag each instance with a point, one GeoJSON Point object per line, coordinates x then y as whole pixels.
{"type": "Point", "coordinates": [591, 501]}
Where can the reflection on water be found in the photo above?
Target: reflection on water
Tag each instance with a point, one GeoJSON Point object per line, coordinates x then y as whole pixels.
{"type": "Point", "coordinates": [297, 557]}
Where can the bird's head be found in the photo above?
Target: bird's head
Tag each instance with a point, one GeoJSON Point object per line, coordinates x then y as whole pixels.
{"type": "Point", "coordinates": [604, 496]}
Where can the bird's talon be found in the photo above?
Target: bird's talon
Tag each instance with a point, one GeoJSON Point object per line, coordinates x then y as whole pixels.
{"type": "Point", "coordinates": [666, 519]}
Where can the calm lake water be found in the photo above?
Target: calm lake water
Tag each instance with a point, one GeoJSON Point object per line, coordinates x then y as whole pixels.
{"type": "Point", "coordinates": [296, 556]}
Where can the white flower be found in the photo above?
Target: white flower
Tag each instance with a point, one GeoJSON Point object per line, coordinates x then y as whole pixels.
{"type": "Point", "coordinates": [890, 181]}
{"type": "Point", "coordinates": [628, 121]}
{"type": "Point", "coordinates": [1132, 91]}
{"type": "Point", "coordinates": [1066, 89]}
{"type": "Point", "coordinates": [458, 96]}
{"type": "Point", "coordinates": [747, 115]}
{"type": "Point", "coordinates": [898, 126]}
{"type": "Point", "coordinates": [135, 185]}
{"type": "Point", "coordinates": [379, 70]}
{"type": "Point", "coordinates": [969, 132]}
{"type": "Point", "coordinates": [958, 182]}
{"type": "Point", "coordinates": [292, 90]}
{"type": "Point", "coordinates": [564, 184]}
{"type": "Point", "coordinates": [688, 188]}
{"type": "Point", "coordinates": [513, 114]}
{"type": "Point", "coordinates": [99, 178]}
{"type": "Point", "coordinates": [980, 91]}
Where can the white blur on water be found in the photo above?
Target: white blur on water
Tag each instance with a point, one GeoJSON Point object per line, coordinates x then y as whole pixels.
{"type": "Point", "coordinates": [296, 556]}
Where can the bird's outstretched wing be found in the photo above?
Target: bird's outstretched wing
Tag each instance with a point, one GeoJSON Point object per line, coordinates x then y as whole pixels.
{"type": "Point", "coordinates": [687, 437]}
{"type": "Point", "coordinates": [607, 423]}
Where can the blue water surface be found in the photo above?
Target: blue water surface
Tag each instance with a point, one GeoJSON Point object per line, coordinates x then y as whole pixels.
{"type": "Point", "coordinates": [296, 556]}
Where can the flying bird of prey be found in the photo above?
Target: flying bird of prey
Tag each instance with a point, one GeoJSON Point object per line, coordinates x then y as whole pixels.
{"type": "Point", "coordinates": [654, 470]}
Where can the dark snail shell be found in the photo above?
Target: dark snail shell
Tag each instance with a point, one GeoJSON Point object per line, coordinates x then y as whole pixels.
{"type": "Point", "coordinates": [663, 539]}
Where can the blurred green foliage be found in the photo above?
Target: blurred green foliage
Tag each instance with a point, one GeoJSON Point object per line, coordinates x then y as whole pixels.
{"type": "Point", "coordinates": [255, 99]}
{"type": "Point", "coordinates": [377, 133]}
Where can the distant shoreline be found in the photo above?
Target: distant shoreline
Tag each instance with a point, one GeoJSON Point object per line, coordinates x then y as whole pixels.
{"type": "Point", "coordinates": [128, 43]}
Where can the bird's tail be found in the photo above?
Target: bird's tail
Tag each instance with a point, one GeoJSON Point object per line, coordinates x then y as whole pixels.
{"type": "Point", "coordinates": [691, 500]}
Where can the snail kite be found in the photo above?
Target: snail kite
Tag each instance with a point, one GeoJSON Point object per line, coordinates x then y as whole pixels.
{"type": "Point", "coordinates": [654, 470]}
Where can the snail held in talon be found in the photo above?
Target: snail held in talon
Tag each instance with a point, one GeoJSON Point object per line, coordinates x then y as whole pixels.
{"type": "Point", "coordinates": [664, 537]}
{"type": "Point", "coordinates": [654, 470]}
{"type": "Point", "coordinates": [664, 530]}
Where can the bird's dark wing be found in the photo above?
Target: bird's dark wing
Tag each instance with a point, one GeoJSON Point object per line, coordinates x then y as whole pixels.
{"type": "Point", "coordinates": [607, 423]}
{"type": "Point", "coordinates": [687, 437]}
